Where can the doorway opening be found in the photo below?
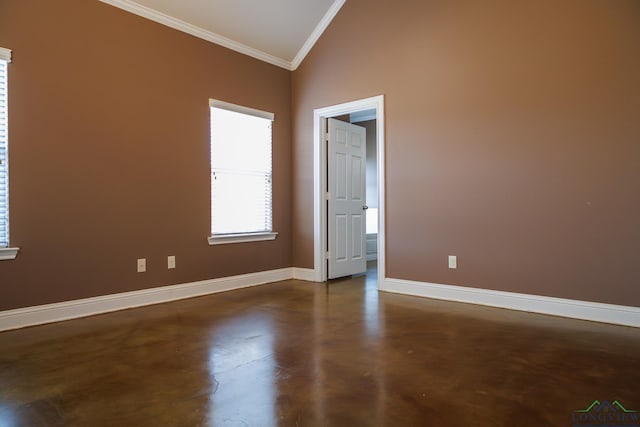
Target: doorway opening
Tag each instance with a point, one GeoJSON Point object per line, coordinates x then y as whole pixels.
{"type": "Point", "coordinates": [370, 114]}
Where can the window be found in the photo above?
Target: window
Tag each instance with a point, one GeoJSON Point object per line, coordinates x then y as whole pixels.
{"type": "Point", "coordinates": [241, 176]}
{"type": "Point", "coordinates": [5, 253]}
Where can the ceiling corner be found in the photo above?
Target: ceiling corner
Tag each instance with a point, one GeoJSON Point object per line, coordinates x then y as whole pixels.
{"type": "Point", "coordinates": [208, 35]}
{"type": "Point", "coordinates": [317, 32]}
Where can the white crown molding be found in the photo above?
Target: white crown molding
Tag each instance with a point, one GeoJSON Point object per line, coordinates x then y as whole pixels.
{"type": "Point", "coordinates": [180, 25]}
{"type": "Point", "coordinates": [315, 35]}
{"type": "Point", "coordinates": [584, 310]}
{"type": "Point", "coordinates": [29, 316]}
{"type": "Point", "coordinates": [177, 24]}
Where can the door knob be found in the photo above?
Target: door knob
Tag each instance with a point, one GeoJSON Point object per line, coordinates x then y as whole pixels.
{"type": "Point", "coordinates": [365, 207]}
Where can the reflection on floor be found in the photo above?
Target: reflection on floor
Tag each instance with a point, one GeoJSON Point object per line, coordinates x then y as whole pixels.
{"type": "Point", "coordinates": [299, 353]}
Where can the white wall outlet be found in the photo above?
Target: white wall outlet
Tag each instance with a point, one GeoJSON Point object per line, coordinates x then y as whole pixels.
{"type": "Point", "coordinates": [453, 261]}
{"type": "Point", "coordinates": [171, 261]}
{"type": "Point", "coordinates": [142, 265]}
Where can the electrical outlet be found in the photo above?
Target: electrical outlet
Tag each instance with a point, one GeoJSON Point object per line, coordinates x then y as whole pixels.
{"type": "Point", "coordinates": [142, 265]}
{"type": "Point", "coordinates": [171, 261]}
{"type": "Point", "coordinates": [453, 261]}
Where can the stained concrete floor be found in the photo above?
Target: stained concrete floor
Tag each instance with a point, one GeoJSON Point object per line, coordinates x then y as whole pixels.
{"type": "Point", "coordinates": [302, 354]}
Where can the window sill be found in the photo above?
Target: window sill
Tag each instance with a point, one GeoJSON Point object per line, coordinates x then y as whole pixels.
{"type": "Point", "coordinates": [223, 239]}
{"type": "Point", "coordinates": [8, 253]}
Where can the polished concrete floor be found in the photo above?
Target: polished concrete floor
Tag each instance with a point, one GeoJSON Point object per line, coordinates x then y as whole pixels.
{"type": "Point", "coordinates": [303, 354]}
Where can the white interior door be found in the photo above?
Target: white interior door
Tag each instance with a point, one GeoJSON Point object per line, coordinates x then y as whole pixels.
{"type": "Point", "coordinates": [347, 194]}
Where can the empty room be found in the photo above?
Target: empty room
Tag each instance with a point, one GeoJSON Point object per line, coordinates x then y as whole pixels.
{"type": "Point", "coordinates": [319, 213]}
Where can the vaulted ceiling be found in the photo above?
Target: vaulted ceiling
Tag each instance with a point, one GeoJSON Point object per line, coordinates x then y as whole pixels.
{"type": "Point", "coordinates": [280, 32]}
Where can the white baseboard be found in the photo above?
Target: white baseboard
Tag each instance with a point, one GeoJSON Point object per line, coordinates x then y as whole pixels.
{"type": "Point", "coordinates": [584, 310]}
{"type": "Point", "coordinates": [307, 274]}
{"type": "Point", "coordinates": [29, 316]}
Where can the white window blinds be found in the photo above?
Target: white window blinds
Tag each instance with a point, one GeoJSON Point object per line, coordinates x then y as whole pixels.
{"type": "Point", "coordinates": [241, 172]}
{"type": "Point", "coordinates": [5, 58]}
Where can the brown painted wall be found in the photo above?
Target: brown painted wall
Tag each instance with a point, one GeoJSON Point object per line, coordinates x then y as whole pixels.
{"type": "Point", "coordinates": [109, 146]}
{"type": "Point", "coordinates": [513, 134]}
{"type": "Point", "coordinates": [512, 139]}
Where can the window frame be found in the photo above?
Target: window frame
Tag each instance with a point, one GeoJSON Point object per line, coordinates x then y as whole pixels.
{"type": "Point", "coordinates": [6, 252]}
{"type": "Point", "coordinates": [241, 237]}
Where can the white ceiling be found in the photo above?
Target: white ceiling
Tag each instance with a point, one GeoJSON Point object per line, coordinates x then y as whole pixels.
{"type": "Point", "coordinates": [280, 32]}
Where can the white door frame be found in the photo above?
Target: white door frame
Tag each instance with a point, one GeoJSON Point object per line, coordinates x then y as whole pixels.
{"type": "Point", "coordinates": [320, 177]}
